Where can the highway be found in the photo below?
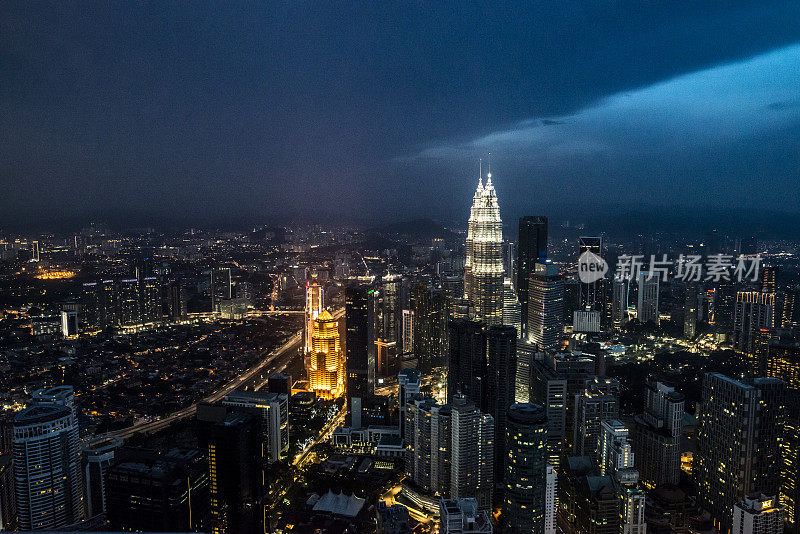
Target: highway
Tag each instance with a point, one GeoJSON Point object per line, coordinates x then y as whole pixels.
{"type": "Point", "coordinates": [275, 361]}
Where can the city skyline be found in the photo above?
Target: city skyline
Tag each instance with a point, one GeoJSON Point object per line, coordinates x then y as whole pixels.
{"type": "Point", "coordinates": [248, 284]}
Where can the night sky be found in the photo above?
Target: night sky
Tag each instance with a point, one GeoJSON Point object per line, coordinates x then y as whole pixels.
{"type": "Point", "coordinates": [204, 112]}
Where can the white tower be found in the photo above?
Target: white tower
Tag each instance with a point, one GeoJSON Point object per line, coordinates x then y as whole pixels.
{"type": "Point", "coordinates": [483, 270]}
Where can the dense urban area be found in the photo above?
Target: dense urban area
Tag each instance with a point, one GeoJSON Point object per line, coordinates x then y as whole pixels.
{"type": "Point", "coordinates": [530, 377]}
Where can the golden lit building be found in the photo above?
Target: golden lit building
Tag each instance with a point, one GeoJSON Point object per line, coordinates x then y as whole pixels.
{"type": "Point", "coordinates": [325, 365]}
{"type": "Point", "coordinates": [315, 303]}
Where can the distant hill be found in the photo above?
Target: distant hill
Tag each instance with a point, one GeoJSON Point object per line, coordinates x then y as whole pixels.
{"type": "Point", "coordinates": [416, 229]}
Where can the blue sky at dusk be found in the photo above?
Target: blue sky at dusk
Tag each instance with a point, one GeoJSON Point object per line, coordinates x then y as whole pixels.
{"type": "Point", "coordinates": [264, 111]}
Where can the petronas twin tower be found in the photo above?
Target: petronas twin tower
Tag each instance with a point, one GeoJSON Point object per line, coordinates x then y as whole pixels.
{"type": "Point", "coordinates": [483, 271]}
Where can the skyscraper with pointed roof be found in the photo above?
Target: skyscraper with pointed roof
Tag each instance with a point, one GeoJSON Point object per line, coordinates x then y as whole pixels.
{"type": "Point", "coordinates": [483, 272]}
{"type": "Point", "coordinates": [325, 366]}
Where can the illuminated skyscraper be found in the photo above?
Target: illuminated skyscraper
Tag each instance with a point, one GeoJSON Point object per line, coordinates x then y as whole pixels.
{"type": "Point", "coordinates": [647, 310]}
{"type": "Point", "coordinates": [512, 309]}
{"type": "Point", "coordinates": [382, 309]}
{"type": "Point", "coordinates": [598, 401]}
{"type": "Point", "coordinates": [47, 462]}
{"type": "Point", "coordinates": [221, 286]}
{"type": "Point", "coordinates": [325, 368]}
{"type": "Point", "coordinates": [691, 309]}
{"type": "Point", "coordinates": [739, 425]}
{"type": "Point", "coordinates": [430, 339]}
{"type": "Point", "coordinates": [593, 295]}
{"type": "Point", "coordinates": [483, 271]}
{"type": "Point", "coordinates": [315, 303]}
{"type": "Point", "coordinates": [525, 469]}
{"type": "Point", "coordinates": [545, 306]}
{"type": "Point", "coordinates": [753, 311]}
{"type": "Point", "coordinates": [656, 435]}
{"type": "Point", "coordinates": [769, 277]}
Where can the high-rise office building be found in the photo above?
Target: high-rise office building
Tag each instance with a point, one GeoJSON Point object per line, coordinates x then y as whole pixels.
{"type": "Point", "coordinates": [221, 286]}
{"type": "Point", "coordinates": [545, 306]}
{"type": "Point", "coordinates": [315, 303]}
{"type": "Point", "coordinates": [483, 270]}
{"type": "Point", "coordinates": [325, 366]}
{"type": "Point", "coordinates": [430, 336]}
{"type": "Point", "coordinates": [512, 310]}
{"type": "Point", "coordinates": [783, 362]}
{"type": "Point", "coordinates": [502, 349]}
{"type": "Point", "coordinates": [472, 453]}
{"type": "Point", "coordinates": [549, 389]}
{"type": "Point", "coordinates": [619, 302]}
{"type": "Point", "coordinates": [725, 305]}
{"type": "Point", "coordinates": [158, 492]}
{"type": "Point", "coordinates": [8, 511]}
{"type": "Point", "coordinates": [789, 317]}
{"type": "Point", "coordinates": [98, 457]}
{"type": "Point", "coordinates": [550, 500]}
{"type": "Point", "coordinates": [69, 323]}
{"type": "Point", "coordinates": [632, 503]}
{"type": "Point", "coordinates": [47, 463]}
{"type": "Point", "coordinates": [359, 382]}
{"type": "Point", "coordinates": [597, 402]}
{"type": "Point", "coordinates": [126, 302]}
{"type": "Point", "coordinates": [383, 325]}
{"type": "Point", "coordinates": [525, 476]}
{"type": "Point", "coordinates": [526, 355]}
{"type": "Point", "coordinates": [231, 440]}
{"type": "Point", "coordinates": [616, 461]}
{"type": "Point", "coordinates": [739, 425]}
{"type": "Point", "coordinates": [467, 365]}
{"type": "Point", "coordinates": [176, 308]}
{"type": "Point", "coordinates": [656, 435]}
{"type": "Point", "coordinates": [408, 332]}
{"type": "Point", "coordinates": [274, 425]}
{"type": "Point", "coordinates": [769, 279]}
{"type": "Point", "coordinates": [757, 514]}
{"type": "Point", "coordinates": [789, 495]}
{"type": "Point", "coordinates": [280, 383]}
{"type": "Point", "coordinates": [555, 383]}
{"type": "Point", "coordinates": [647, 308]}
{"type": "Point", "coordinates": [409, 382]}
{"type": "Point", "coordinates": [614, 451]}
{"type": "Point", "coordinates": [129, 302]}
{"type": "Point", "coordinates": [531, 249]}
{"type": "Point", "coordinates": [450, 449]}
{"type": "Point", "coordinates": [587, 503]}
{"type": "Point", "coordinates": [691, 312]}
{"type": "Point", "coordinates": [149, 300]}
{"type": "Point", "coordinates": [593, 295]}
{"type": "Point", "coordinates": [753, 311]}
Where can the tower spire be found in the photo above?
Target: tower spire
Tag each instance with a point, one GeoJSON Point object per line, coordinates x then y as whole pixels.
{"type": "Point", "coordinates": [480, 173]}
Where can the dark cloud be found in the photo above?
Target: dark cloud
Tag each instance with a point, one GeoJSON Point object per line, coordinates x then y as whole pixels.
{"type": "Point", "coordinates": [226, 110]}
